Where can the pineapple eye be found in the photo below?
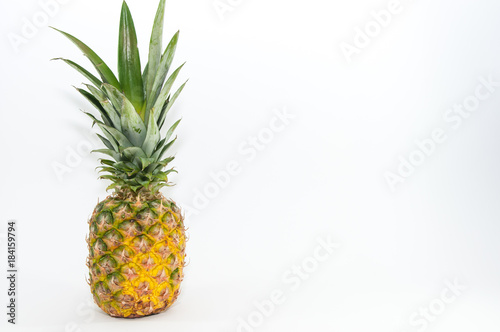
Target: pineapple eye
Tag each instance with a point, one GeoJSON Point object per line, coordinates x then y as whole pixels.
{"type": "Point", "coordinates": [94, 229]}
{"type": "Point", "coordinates": [123, 254]}
{"type": "Point", "coordinates": [108, 263]}
{"type": "Point", "coordinates": [171, 260]}
{"type": "Point", "coordinates": [130, 227]}
{"type": "Point", "coordinates": [112, 238]}
{"type": "Point", "coordinates": [102, 292]}
{"type": "Point", "coordinates": [143, 243]}
{"type": "Point", "coordinates": [158, 232]}
{"type": "Point", "coordinates": [104, 220]}
{"type": "Point", "coordinates": [99, 247]}
{"type": "Point", "coordinates": [176, 277]}
{"type": "Point", "coordinates": [122, 211]}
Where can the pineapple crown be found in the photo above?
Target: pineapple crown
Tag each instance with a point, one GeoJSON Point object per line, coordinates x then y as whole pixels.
{"type": "Point", "coordinates": [133, 106]}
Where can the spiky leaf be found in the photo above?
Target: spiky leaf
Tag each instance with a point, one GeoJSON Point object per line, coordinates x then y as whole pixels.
{"type": "Point", "coordinates": [111, 112]}
{"type": "Point", "coordinates": [163, 68]}
{"type": "Point", "coordinates": [152, 137]}
{"type": "Point", "coordinates": [132, 125]}
{"type": "Point", "coordinates": [129, 64]}
{"type": "Point", "coordinates": [169, 104]}
{"type": "Point", "coordinates": [108, 152]}
{"type": "Point", "coordinates": [159, 154]}
{"type": "Point", "coordinates": [155, 46]}
{"type": "Point", "coordinates": [112, 133]}
{"type": "Point", "coordinates": [97, 105]}
{"type": "Point", "coordinates": [94, 80]}
{"type": "Point", "coordinates": [106, 74]}
{"type": "Point", "coordinates": [165, 91]}
{"type": "Point", "coordinates": [106, 142]}
{"type": "Point", "coordinates": [134, 152]}
{"type": "Point", "coordinates": [172, 129]}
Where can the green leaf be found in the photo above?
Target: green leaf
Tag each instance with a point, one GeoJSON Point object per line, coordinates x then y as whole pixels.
{"type": "Point", "coordinates": [106, 169]}
{"type": "Point", "coordinates": [156, 167]}
{"type": "Point", "coordinates": [158, 154]}
{"type": "Point", "coordinates": [107, 162]}
{"type": "Point", "coordinates": [111, 140]}
{"type": "Point", "coordinates": [167, 160]}
{"type": "Point", "coordinates": [158, 186]}
{"type": "Point", "coordinates": [106, 74]}
{"type": "Point", "coordinates": [122, 141]}
{"type": "Point", "coordinates": [106, 142]}
{"type": "Point", "coordinates": [145, 72]}
{"type": "Point", "coordinates": [94, 80]}
{"type": "Point", "coordinates": [97, 105]}
{"type": "Point", "coordinates": [161, 73]}
{"type": "Point", "coordinates": [164, 175]}
{"type": "Point", "coordinates": [152, 136]}
{"type": "Point", "coordinates": [112, 186]}
{"type": "Point", "coordinates": [145, 162]}
{"type": "Point", "coordinates": [109, 152]}
{"type": "Point", "coordinates": [134, 152]}
{"type": "Point", "coordinates": [111, 112]}
{"type": "Point", "coordinates": [94, 119]}
{"type": "Point", "coordinates": [171, 130]}
{"type": "Point", "coordinates": [169, 104]}
{"type": "Point", "coordinates": [98, 93]}
{"type": "Point", "coordinates": [155, 46]}
{"type": "Point", "coordinates": [127, 166]}
{"type": "Point", "coordinates": [160, 144]}
{"type": "Point", "coordinates": [108, 177]}
{"type": "Point", "coordinates": [115, 97]}
{"type": "Point", "coordinates": [135, 188]}
{"type": "Point", "coordinates": [137, 163]}
{"type": "Point", "coordinates": [132, 125]}
{"type": "Point", "coordinates": [165, 91]}
{"type": "Point", "coordinates": [142, 182]}
{"type": "Point", "coordinates": [129, 63]}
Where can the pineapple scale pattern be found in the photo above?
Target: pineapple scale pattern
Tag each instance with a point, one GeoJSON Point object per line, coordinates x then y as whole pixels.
{"type": "Point", "coordinates": [136, 255]}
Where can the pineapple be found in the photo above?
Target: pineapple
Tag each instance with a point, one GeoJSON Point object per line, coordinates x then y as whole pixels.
{"type": "Point", "coordinates": [136, 236]}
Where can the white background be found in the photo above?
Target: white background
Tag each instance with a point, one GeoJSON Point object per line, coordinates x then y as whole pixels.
{"type": "Point", "coordinates": [322, 176]}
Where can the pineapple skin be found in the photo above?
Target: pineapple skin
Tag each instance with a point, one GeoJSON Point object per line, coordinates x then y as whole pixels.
{"type": "Point", "coordinates": [136, 254]}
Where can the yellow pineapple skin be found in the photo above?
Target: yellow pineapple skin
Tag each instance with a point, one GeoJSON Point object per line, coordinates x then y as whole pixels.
{"type": "Point", "coordinates": [136, 254]}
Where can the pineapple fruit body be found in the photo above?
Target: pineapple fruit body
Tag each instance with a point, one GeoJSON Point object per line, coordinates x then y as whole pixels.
{"type": "Point", "coordinates": [136, 254]}
{"type": "Point", "coordinates": [137, 238]}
